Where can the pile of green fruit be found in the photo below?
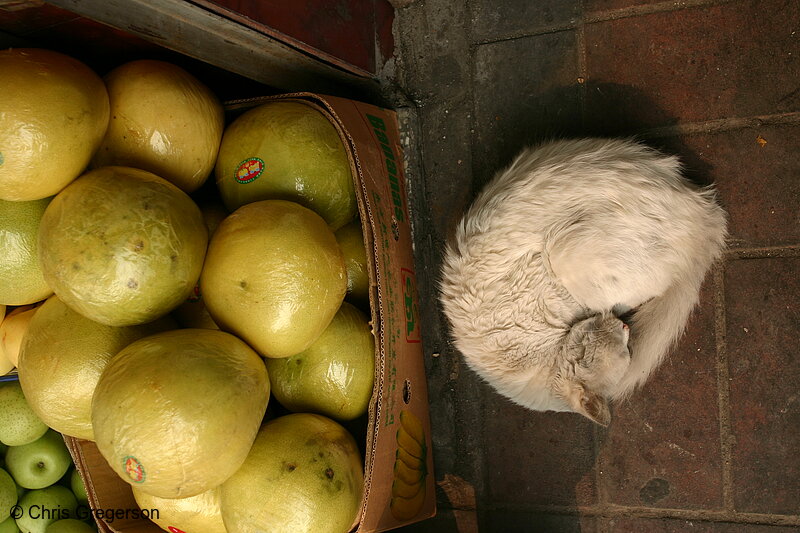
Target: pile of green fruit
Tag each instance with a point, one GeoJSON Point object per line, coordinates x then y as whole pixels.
{"type": "Point", "coordinates": [158, 313]}
{"type": "Point", "coordinates": [40, 489]}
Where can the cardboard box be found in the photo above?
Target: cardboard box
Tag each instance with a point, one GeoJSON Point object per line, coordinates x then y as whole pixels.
{"type": "Point", "coordinates": [371, 135]}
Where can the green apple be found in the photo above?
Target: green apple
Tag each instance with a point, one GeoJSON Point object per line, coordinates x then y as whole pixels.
{"type": "Point", "coordinates": [41, 463]}
{"type": "Point", "coordinates": [69, 525]}
{"type": "Point", "coordinates": [18, 423]}
{"type": "Point", "coordinates": [8, 491]}
{"type": "Point", "coordinates": [78, 488]}
{"type": "Point", "coordinates": [41, 507]}
{"type": "Point", "coordinates": [9, 525]}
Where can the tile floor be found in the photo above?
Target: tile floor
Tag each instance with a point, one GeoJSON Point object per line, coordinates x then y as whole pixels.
{"type": "Point", "coordinates": [712, 444]}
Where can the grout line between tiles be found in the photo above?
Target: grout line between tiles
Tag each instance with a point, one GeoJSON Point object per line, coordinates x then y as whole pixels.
{"type": "Point", "coordinates": [723, 386]}
{"type": "Point", "coordinates": [604, 16]}
{"type": "Point", "coordinates": [485, 480]}
{"type": "Point", "coordinates": [580, 37]}
{"type": "Point", "coordinates": [647, 9]}
{"type": "Point", "coordinates": [763, 252]}
{"type": "Point", "coordinates": [542, 30]}
{"type": "Point", "coordinates": [599, 493]}
{"type": "Point", "coordinates": [723, 124]}
{"type": "Point", "coordinates": [623, 511]}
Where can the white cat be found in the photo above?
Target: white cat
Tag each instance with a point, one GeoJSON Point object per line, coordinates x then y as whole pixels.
{"type": "Point", "coordinates": [560, 244]}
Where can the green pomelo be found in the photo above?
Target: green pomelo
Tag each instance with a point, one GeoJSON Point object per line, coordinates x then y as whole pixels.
{"type": "Point", "coordinates": [61, 360]}
{"type": "Point", "coordinates": [274, 276]}
{"type": "Point", "coordinates": [304, 474]}
{"type": "Point", "coordinates": [335, 375]}
{"type": "Point", "coordinates": [351, 241]}
{"type": "Point", "coordinates": [53, 115]}
{"type": "Point", "coordinates": [163, 120]}
{"type": "Point", "coordinates": [199, 513]}
{"type": "Point", "coordinates": [122, 246]}
{"type": "Point", "coordinates": [175, 414]}
{"type": "Point", "coordinates": [21, 278]}
{"type": "Point", "coordinates": [288, 151]}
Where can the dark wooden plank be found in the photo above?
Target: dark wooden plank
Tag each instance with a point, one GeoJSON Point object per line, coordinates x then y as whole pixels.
{"type": "Point", "coordinates": [195, 32]}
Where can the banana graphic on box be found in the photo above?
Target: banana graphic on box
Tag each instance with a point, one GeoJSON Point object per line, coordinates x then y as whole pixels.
{"type": "Point", "coordinates": [410, 468]}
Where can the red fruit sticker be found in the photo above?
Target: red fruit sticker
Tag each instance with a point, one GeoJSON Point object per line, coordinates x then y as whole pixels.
{"type": "Point", "coordinates": [175, 530]}
{"type": "Point", "coordinates": [195, 295]}
{"type": "Point", "coordinates": [133, 468]}
{"type": "Point", "coordinates": [248, 170]}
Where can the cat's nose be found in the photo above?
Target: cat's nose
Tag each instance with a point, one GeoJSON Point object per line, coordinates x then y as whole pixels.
{"type": "Point", "coordinates": [625, 326]}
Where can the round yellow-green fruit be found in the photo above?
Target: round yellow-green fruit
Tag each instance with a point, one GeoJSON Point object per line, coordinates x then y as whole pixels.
{"type": "Point", "coordinates": [287, 150]}
{"type": "Point", "coordinates": [53, 115]}
{"type": "Point", "coordinates": [351, 241]}
{"type": "Point", "coordinates": [21, 279]}
{"type": "Point", "coordinates": [122, 246]}
{"type": "Point", "coordinates": [274, 276]}
{"type": "Point", "coordinates": [175, 413]}
{"type": "Point", "coordinates": [333, 376]}
{"type": "Point", "coordinates": [200, 514]}
{"type": "Point", "coordinates": [304, 474]}
{"type": "Point", "coordinates": [163, 120]}
{"type": "Point", "coordinates": [61, 359]}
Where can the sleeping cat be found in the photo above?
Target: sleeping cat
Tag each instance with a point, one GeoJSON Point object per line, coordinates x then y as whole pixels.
{"type": "Point", "coordinates": [570, 240]}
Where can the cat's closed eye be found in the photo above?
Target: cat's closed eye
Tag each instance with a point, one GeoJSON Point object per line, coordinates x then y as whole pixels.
{"type": "Point", "coordinates": [626, 332]}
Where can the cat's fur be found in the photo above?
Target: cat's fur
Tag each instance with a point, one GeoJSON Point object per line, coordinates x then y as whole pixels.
{"type": "Point", "coordinates": [570, 236]}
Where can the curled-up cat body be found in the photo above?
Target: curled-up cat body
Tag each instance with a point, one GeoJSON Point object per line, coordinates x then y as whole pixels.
{"type": "Point", "coordinates": [557, 247]}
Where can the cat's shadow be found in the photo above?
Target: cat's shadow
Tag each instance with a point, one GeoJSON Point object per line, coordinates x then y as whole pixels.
{"type": "Point", "coordinates": [595, 109]}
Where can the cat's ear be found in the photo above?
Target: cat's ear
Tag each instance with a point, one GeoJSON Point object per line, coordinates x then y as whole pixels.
{"type": "Point", "coordinates": [590, 404]}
